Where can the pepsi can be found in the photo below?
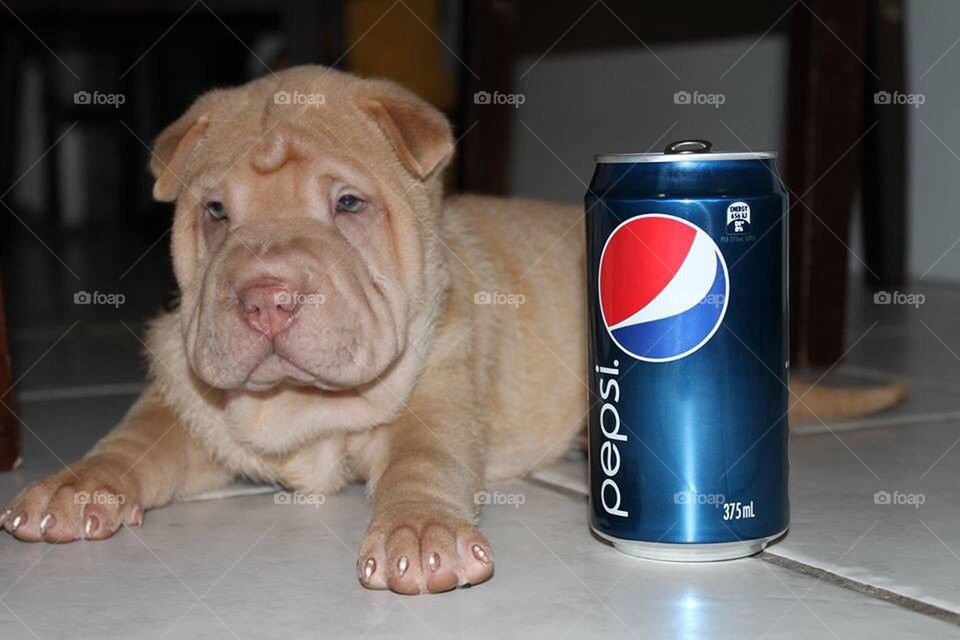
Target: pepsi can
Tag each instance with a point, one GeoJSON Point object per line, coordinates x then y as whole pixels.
{"type": "Point", "coordinates": [688, 342]}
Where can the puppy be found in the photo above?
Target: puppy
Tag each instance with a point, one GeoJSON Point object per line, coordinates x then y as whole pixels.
{"type": "Point", "coordinates": [340, 321]}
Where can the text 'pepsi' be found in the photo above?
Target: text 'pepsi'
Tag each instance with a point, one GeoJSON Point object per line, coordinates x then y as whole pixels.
{"type": "Point", "coordinates": [687, 299]}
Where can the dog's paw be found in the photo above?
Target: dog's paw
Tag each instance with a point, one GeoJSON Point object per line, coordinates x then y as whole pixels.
{"type": "Point", "coordinates": [423, 554]}
{"type": "Point", "coordinates": [88, 503]}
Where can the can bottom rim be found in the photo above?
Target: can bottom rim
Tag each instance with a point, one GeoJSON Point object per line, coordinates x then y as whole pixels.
{"type": "Point", "coordinates": [673, 552]}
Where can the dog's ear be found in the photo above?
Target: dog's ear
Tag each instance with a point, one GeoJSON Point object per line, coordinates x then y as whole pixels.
{"type": "Point", "coordinates": [419, 133]}
{"type": "Point", "coordinates": [171, 150]}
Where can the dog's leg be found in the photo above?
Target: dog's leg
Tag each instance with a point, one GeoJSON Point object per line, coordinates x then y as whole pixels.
{"type": "Point", "coordinates": [146, 461]}
{"type": "Point", "coordinates": [422, 536]}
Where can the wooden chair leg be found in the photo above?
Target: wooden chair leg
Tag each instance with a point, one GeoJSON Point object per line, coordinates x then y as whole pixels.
{"type": "Point", "coordinates": [11, 67]}
{"type": "Point", "coordinates": [314, 30]}
{"type": "Point", "coordinates": [9, 429]}
{"type": "Point", "coordinates": [826, 120]}
{"type": "Point", "coordinates": [10, 72]}
{"type": "Point", "coordinates": [484, 152]}
{"type": "Point", "coordinates": [883, 181]}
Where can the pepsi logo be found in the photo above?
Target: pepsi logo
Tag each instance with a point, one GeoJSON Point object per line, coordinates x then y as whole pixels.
{"type": "Point", "coordinates": [663, 286]}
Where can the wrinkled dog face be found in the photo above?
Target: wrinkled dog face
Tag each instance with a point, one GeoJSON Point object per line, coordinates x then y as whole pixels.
{"type": "Point", "coordinates": [298, 241]}
{"type": "Point", "coordinates": [300, 280]}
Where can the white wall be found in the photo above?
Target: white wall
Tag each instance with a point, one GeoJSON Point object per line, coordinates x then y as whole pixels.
{"type": "Point", "coordinates": [582, 104]}
{"type": "Point", "coordinates": [933, 26]}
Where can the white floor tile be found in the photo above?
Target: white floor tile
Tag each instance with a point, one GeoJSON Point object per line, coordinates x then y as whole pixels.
{"type": "Point", "coordinates": [275, 570]}
{"type": "Point", "coordinates": [913, 551]}
{"type": "Point", "coordinates": [837, 524]}
{"type": "Point", "coordinates": [57, 433]}
{"type": "Point", "coordinates": [922, 343]}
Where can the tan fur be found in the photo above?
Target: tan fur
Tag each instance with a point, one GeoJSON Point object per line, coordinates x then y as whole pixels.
{"type": "Point", "coordinates": [400, 378]}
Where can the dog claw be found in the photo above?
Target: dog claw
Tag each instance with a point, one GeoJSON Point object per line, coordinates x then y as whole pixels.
{"type": "Point", "coordinates": [136, 516]}
{"type": "Point", "coordinates": [368, 568]}
{"type": "Point", "coordinates": [19, 520]}
{"type": "Point", "coordinates": [402, 564]}
{"type": "Point", "coordinates": [4, 516]}
{"type": "Point", "coordinates": [480, 554]}
{"type": "Point", "coordinates": [46, 521]}
{"type": "Point", "coordinates": [433, 561]}
{"type": "Point", "coordinates": [92, 523]}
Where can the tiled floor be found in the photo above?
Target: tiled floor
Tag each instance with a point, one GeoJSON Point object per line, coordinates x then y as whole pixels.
{"type": "Point", "coordinates": [245, 567]}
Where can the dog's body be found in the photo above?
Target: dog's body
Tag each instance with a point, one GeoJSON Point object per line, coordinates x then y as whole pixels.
{"type": "Point", "coordinates": [494, 326]}
{"type": "Point", "coordinates": [341, 321]}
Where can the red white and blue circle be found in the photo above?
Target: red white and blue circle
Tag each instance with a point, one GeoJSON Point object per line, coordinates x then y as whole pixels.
{"type": "Point", "coordinates": [663, 286]}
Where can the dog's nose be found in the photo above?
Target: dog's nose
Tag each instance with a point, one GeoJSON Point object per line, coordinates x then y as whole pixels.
{"type": "Point", "coordinates": [268, 308]}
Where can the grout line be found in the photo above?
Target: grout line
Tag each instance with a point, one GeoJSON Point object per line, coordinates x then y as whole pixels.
{"type": "Point", "coordinates": [86, 391]}
{"type": "Point", "coordinates": [877, 593]}
{"type": "Point", "coordinates": [89, 329]}
{"type": "Point", "coordinates": [556, 488]}
{"type": "Point", "coordinates": [813, 429]}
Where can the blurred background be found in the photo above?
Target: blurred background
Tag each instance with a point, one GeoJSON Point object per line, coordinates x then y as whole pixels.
{"type": "Point", "coordinates": [857, 96]}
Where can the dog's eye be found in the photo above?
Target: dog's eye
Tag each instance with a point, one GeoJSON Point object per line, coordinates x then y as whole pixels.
{"type": "Point", "coordinates": [216, 210]}
{"type": "Point", "coordinates": [351, 204]}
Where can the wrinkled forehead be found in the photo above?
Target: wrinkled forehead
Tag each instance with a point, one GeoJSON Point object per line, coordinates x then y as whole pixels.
{"type": "Point", "coordinates": [305, 148]}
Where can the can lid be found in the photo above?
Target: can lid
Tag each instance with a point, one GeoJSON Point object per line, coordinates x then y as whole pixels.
{"type": "Point", "coordinates": [681, 151]}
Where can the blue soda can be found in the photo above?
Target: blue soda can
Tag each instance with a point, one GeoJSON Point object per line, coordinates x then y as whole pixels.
{"type": "Point", "coordinates": [688, 341]}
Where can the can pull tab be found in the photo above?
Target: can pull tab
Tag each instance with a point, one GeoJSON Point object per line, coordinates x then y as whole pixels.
{"type": "Point", "coordinates": [688, 146]}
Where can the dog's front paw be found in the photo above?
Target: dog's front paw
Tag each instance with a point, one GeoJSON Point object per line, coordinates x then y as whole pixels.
{"type": "Point", "coordinates": [423, 553]}
{"type": "Point", "coordinates": [89, 502]}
